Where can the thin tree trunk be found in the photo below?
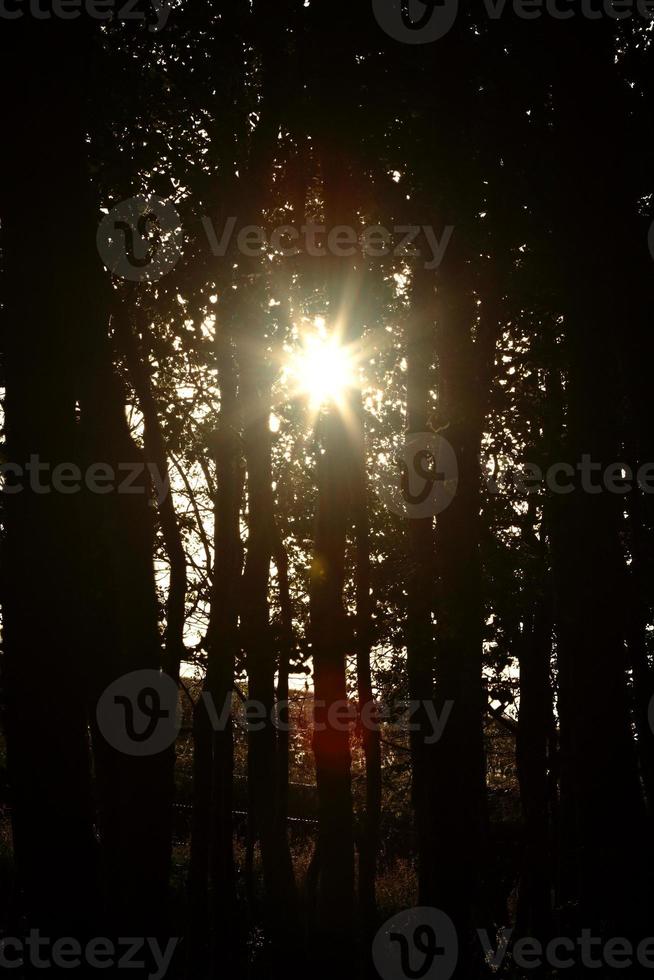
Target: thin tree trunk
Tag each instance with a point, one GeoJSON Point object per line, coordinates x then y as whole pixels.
{"type": "Point", "coordinates": [370, 735]}
{"type": "Point", "coordinates": [637, 621]}
{"type": "Point", "coordinates": [533, 742]}
{"type": "Point", "coordinates": [157, 456]}
{"type": "Point", "coordinates": [212, 878]}
{"type": "Point", "coordinates": [334, 856]}
{"type": "Point", "coordinates": [458, 769]}
{"type": "Point", "coordinates": [222, 646]}
{"type": "Point", "coordinates": [286, 648]}
{"type": "Point", "coordinates": [421, 571]}
{"type": "Point", "coordinates": [331, 744]}
{"type": "Point", "coordinates": [257, 640]}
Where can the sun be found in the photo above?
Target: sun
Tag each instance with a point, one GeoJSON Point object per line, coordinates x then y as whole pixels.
{"type": "Point", "coordinates": [323, 369]}
{"type": "Point", "coordinates": [325, 372]}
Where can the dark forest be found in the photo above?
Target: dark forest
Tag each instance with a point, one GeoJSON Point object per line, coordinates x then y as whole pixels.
{"type": "Point", "coordinates": [327, 489]}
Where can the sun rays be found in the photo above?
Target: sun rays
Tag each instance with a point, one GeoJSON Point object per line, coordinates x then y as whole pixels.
{"type": "Point", "coordinates": [321, 368]}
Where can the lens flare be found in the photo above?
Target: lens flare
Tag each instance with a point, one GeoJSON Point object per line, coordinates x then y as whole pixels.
{"type": "Point", "coordinates": [323, 370]}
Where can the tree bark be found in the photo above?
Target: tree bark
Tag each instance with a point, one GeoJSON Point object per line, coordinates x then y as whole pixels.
{"type": "Point", "coordinates": [533, 747]}
{"type": "Point", "coordinates": [331, 744]}
{"type": "Point", "coordinates": [256, 634]}
{"type": "Point", "coordinates": [421, 573]}
{"type": "Point", "coordinates": [212, 880]}
{"type": "Point", "coordinates": [369, 838]}
{"type": "Point", "coordinates": [457, 765]}
{"type": "Point", "coordinates": [101, 601]}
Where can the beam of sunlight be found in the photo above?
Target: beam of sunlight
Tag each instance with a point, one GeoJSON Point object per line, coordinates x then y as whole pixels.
{"type": "Point", "coordinates": [322, 369]}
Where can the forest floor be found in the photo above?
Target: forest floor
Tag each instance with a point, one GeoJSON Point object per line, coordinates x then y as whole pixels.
{"type": "Point", "coordinates": [396, 880]}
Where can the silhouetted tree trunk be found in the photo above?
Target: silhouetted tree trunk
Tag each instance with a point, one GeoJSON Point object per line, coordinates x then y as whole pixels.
{"type": "Point", "coordinates": [157, 456]}
{"type": "Point", "coordinates": [457, 787]}
{"type": "Point", "coordinates": [421, 570]}
{"type": "Point", "coordinates": [155, 453]}
{"type": "Point", "coordinates": [212, 880]}
{"type": "Point", "coordinates": [108, 580]}
{"type": "Point", "coordinates": [121, 605]}
{"type": "Point", "coordinates": [45, 687]}
{"type": "Point", "coordinates": [370, 736]}
{"type": "Point", "coordinates": [256, 634]}
{"type": "Point", "coordinates": [285, 651]}
{"type": "Point", "coordinates": [331, 743]}
{"type": "Point", "coordinates": [533, 747]}
{"type": "Point", "coordinates": [334, 855]}
{"type": "Point", "coordinates": [637, 610]}
{"type": "Point", "coordinates": [604, 832]}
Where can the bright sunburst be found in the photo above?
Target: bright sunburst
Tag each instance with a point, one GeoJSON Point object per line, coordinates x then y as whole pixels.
{"type": "Point", "coordinates": [323, 369]}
